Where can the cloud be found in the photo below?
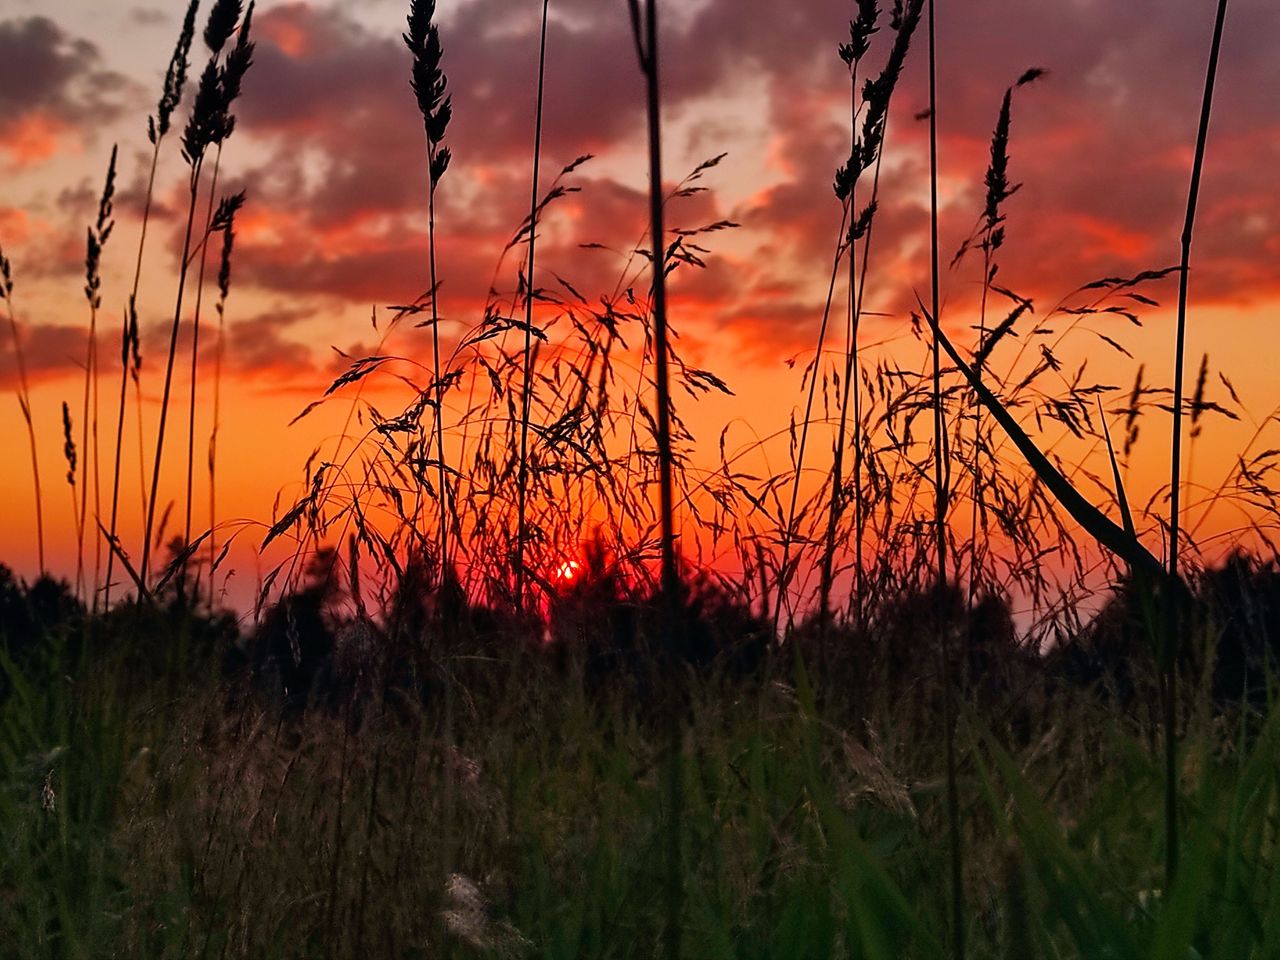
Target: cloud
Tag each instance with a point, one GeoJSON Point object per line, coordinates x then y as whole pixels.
{"type": "Point", "coordinates": [1101, 147]}
{"type": "Point", "coordinates": [148, 16]}
{"type": "Point", "coordinates": [52, 86]}
{"type": "Point", "coordinates": [48, 350]}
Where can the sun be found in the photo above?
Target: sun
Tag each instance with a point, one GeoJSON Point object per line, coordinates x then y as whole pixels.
{"type": "Point", "coordinates": [568, 572]}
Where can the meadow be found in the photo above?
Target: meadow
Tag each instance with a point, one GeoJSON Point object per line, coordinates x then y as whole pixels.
{"type": "Point", "coordinates": [530, 675]}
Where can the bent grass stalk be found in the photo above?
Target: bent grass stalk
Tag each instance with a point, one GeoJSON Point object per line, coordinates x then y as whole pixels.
{"type": "Point", "coordinates": [24, 400]}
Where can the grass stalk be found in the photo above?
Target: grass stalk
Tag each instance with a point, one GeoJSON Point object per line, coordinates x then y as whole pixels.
{"type": "Point", "coordinates": [158, 126]}
{"type": "Point", "coordinates": [429, 86]}
{"type": "Point", "coordinates": [95, 243]}
{"type": "Point", "coordinates": [860, 31]}
{"type": "Point", "coordinates": [1173, 625]}
{"type": "Point", "coordinates": [851, 354]}
{"type": "Point", "coordinates": [788, 534]}
{"type": "Point", "coordinates": [210, 124]}
{"type": "Point", "coordinates": [213, 453]}
{"type": "Point", "coordinates": [526, 391]}
{"type": "Point", "coordinates": [195, 355]}
{"type": "Point", "coordinates": [645, 31]}
{"type": "Point", "coordinates": [955, 840]}
{"type": "Point", "coordinates": [194, 184]}
{"type": "Point", "coordinates": [24, 400]}
{"type": "Point", "coordinates": [223, 220]}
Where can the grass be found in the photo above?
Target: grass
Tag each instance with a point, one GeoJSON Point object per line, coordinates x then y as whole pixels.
{"type": "Point", "coordinates": [167, 811]}
{"type": "Point", "coordinates": [24, 400]}
{"type": "Point", "coordinates": [425, 745]}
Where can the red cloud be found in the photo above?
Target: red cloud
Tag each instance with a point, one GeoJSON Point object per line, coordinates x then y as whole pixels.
{"type": "Point", "coordinates": [33, 138]}
{"type": "Point", "coordinates": [52, 88]}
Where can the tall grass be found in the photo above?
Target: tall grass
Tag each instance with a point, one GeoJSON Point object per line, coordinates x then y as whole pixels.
{"type": "Point", "coordinates": [224, 222]}
{"type": "Point", "coordinates": [158, 125]}
{"type": "Point", "coordinates": [860, 31]}
{"type": "Point", "coordinates": [644, 25]}
{"type": "Point", "coordinates": [1173, 643]}
{"type": "Point", "coordinates": [24, 400]}
{"type": "Point", "coordinates": [526, 392]}
{"type": "Point", "coordinates": [222, 23]}
{"type": "Point", "coordinates": [401, 768]}
{"type": "Point", "coordinates": [95, 244]}
{"type": "Point", "coordinates": [146, 823]}
{"type": "Point", "coordinates": [941, 468]}
{"type": "Point", "coordinates": [429, 86]}
{"type": "Point", "coordinates": [211, 122]}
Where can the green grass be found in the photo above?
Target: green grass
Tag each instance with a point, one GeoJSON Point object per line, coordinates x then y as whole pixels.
{"type": "Point", "coordinates": [202, 824]}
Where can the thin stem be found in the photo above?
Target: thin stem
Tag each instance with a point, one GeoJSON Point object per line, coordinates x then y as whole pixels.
{"type": "Point", "coordinates": [525, 397]}
{"type": "Point", "coordinates": [24, 402]}
{"type": "Point", "coordinates": [976, 501]}
{"type": "Point", "coordinates": [647, 45]}
{"type": "Point", "coordinates": [443, 494]}
{"type": "Point", "coordinates": [97, 478]}
{"type": "Point", "coordinates": [850, 353]}
{"type": "Point", "coordinates": [788, 533]}
{"type": "Point", "coordinates": [195, 358]}
{"type": "Point", "coordinates": [1169, 686]}
{"type": "Point", "coordinates": [660, 346]}
{"type": "Point", "coordinates": [168, 371]}
{"type": "Point", "coordinates": [82, 511]}
{"type": "Point", "coordinates": [940, 519]}
{"type": "Point", "coordinates": [115, 473]}
{"type": "Point", "coordinates": [213, 451]}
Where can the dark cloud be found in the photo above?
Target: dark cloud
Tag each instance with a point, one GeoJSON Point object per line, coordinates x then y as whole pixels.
{"type": "Point", "coordinates": [261, 345]}
{"type": "Point", "coordinates": [1101, 147]}
{"type": "Point", "coordinates": [48, 350]}
{"type": "Point", "coordinates": [50, 82]}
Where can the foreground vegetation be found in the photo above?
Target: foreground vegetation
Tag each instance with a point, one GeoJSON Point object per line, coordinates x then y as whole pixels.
{"type": "Point", "coordinates": [499, 789]}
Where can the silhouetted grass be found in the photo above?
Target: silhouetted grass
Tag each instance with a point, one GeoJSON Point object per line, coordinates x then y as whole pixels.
{"type": "Point", "coordinates": [506, 735]}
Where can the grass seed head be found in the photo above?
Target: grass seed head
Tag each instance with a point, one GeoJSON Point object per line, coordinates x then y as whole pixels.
{"type": "Point", "coordinates": [860, 31]}
{"type": "Point", "coordinates": [221, 24]}
{"type": "Point", "coordinates": [97, 237]}
{"type": "Point", "coordinates": [6, 276]}
{"type": "Point", "coordinates": [68, 445]}
{"type": "Point", "coordinates": [175, 78]}
{"type": "Point", "coordinates": [429, 82]}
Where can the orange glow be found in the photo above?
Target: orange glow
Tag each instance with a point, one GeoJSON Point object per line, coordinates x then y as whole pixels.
{"type": "Point", "coordinates": [32, 139]}
{"type": "Point", "coordinates": [14, 224]}
{"type": "Point", "coordinates": [568, 572]}
{"type": "Point", "coordinates": [287, 34]}
{"type": "Point", "coordinates": [1110, 238]}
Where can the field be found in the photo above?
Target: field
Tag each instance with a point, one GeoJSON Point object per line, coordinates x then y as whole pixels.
{"type": "Point", "coordinates": [531, 670]}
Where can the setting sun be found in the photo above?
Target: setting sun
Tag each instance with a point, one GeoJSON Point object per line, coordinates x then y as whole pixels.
{"type": "Point", "coordinates": [568, 572]}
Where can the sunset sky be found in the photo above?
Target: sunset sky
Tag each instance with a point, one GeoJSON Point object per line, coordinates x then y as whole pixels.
{"type": "Point", "coordinates": [329, 148]}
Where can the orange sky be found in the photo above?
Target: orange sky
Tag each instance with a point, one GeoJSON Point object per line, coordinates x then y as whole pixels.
{"type": "Point", "coordinates": [328, 148]}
